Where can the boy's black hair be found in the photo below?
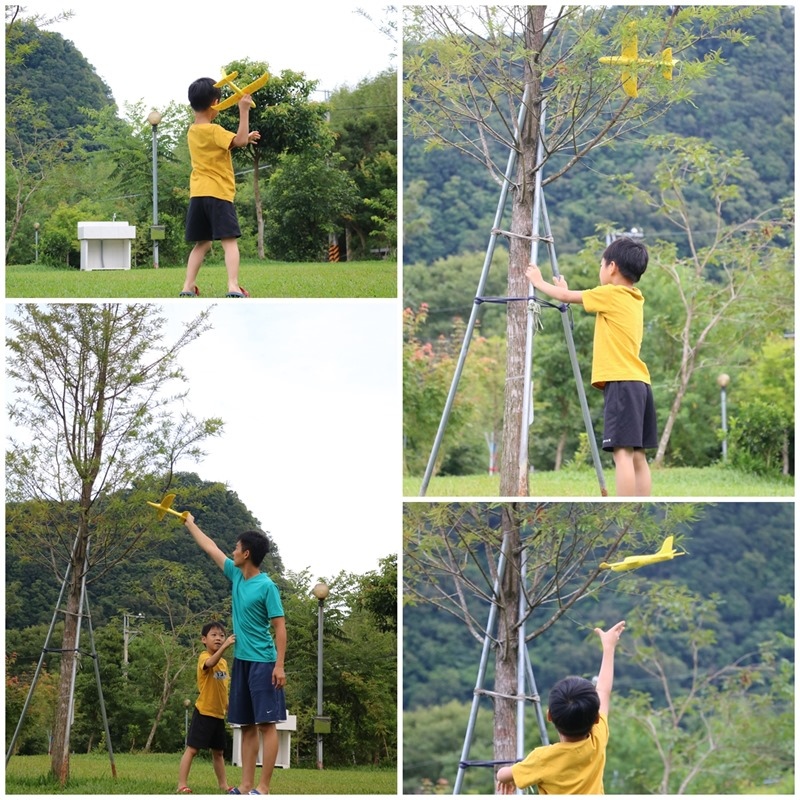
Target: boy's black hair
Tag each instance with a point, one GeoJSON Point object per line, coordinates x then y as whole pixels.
{"type": "Point", "coordinates": [257, 543]}
{"type": "Point", "coordinates": [211, 625]}
{"type": "Point", "coordinates": [629, 255]}
{"type": "Point", "coordinates": [203, 94]}
{"type": "Point", "coordinates": [574, 706]}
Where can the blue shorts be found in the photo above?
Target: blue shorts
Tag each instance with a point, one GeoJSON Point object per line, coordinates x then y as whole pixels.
{"type": "Point", "coordinates": [629, 416]}
{"type": "Point", "coordinates": [253, 699]}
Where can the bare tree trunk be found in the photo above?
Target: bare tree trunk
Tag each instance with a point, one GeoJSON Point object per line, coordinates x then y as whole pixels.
{"type": "Point", "coordinates": [513, 467]}
{"type": "Point", "coordinates": [560, 447]}
{"type": "Point", "coordinates": [505, 730]}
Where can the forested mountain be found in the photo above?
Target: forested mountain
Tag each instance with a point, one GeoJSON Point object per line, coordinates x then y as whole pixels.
{"type": "Point", "coordinates": [31, 592]}
{"type": "Point", "coordinates": [748, 105]}
{"type": "Point", "coordinates": [56, 76]}
{"type": "Point", "coordinates": [741, 552]}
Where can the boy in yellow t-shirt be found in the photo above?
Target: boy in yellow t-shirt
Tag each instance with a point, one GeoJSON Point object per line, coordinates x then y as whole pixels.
{"type": "Point", "coordinates": [575, 764]}
{"type": "Point", "coordinates": [629, 414]}
{"type": "Point", "coordinates": [207, 728]}
{"type": "Point", "coordinates": [212, 187]}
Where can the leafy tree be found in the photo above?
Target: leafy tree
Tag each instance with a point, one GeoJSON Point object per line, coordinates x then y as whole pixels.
{"type": "Point", "coordinates": [714, 282]}
{"type": "Point", "coordinates": [304, 198]}
{"type": "Point", "coordinates": [466, 76]}
{"type": "Point", "coordinates": [90, 415]}
{"type": "Point", "coordinates": [286, 120]}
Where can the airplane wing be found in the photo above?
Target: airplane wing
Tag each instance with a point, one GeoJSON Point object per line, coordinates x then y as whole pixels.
{"type": "Point", "coordinates": [238, 93]}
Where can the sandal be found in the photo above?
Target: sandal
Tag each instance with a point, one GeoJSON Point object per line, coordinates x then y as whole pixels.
{"type": "Point", "coordinates": [240, 293]}
{"type": "Point", "coordinates": [195, 293]}
{"type": "Point", "coordinates": [185, 790]}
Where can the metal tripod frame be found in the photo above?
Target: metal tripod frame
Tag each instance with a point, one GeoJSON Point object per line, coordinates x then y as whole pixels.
{"type": "Point", "coordinates": [539, 214]}
{"type": "Point", "coordinates": [524, 671]}
{"type": "Point", "coordinates": [83, 612]}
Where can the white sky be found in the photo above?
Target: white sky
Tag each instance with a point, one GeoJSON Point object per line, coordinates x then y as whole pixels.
{"type": "Point", "coordinates": [310, 395]}
{"type": "Point", "coordinates": [309, 391]}
{"type": "Point", "coordinates": [153, 51]}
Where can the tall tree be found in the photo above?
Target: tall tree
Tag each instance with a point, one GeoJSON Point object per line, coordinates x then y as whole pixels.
{"type": "Point", "coordinates": [287, 121]}
{"type": "Point", "coordinates": [91, 414]}
{"type": "Point", "coordinates": [467, 73]}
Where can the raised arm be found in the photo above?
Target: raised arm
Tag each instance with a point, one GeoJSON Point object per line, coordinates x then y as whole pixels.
{"type": "Point", "coordinates": [605, 678]}
{"type": "Point", "coordinates": [558, 291]}
{"type": "Point", "coordinates": [243, 135]}
{"type": "Point", "coordinates": [207, 544]}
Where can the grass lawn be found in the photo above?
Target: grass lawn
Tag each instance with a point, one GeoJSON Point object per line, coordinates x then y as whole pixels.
{"type": "Point", "coordinates": [260, 278]}
{"type": "Point", "coordinates": [158, 774]}
{"type": "Point", "coordinates": [708, 482]}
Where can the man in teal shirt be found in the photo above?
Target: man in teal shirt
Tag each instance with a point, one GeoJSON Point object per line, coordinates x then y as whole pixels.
{"type": "Point", "coordinates": [257, 700]}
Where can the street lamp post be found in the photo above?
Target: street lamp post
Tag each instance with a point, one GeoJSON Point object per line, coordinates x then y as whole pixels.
{"type": "Point", "coordinates": [186, 704]}
{"type": "Point", "coordinates": [722, 381]}
{"type": "Point", "coordinates": [127, 633]}
{"type": "Point", "coordinates": [320, 591]}
{"type": "Point", "coordinates": [154, 118]}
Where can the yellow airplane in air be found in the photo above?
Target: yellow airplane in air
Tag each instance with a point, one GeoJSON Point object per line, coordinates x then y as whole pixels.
{"type": "Point", "coordinates": [630, 57]}
{"type": "Point", "coordinates": [238, 94]}
{"type": "Point", "coordinates": [164, 507]}
{"type": "Point", "coordinates": [666, 553]}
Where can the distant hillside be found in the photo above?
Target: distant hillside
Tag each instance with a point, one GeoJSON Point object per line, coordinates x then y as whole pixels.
{"type": "Point", "coordinates": [748, 105]}
{"type": "Point", "coordinates": [743, 552]}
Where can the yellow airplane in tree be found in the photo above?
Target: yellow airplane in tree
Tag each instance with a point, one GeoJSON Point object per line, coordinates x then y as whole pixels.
{"type": "Point", "coordinates": [163, 507]}
{"type": "Point", "coordinates": [630, 57]}
{"type": "Point", "coordinates": [666, 553]}
{"type": "Point", "coordinates": [238, 94]}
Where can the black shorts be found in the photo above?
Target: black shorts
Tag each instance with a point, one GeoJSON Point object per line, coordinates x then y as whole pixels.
{"type": "Point", "coordinates": [206, 732]}
{"type": "Point", "coordinates": [209, 219]}
{"type": "Point", "coordinates": [629, 416]}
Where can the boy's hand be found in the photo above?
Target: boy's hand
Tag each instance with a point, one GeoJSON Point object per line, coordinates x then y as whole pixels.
{"type": "Point", "coordinates": [534, 275]}
{"type": "Point", "coordinates": [188, 518]}
{"type": "Point", "coordinates": [229, 641]}
{"type": "Point", "coordinates": [611, 636]}
{"type": "Point", "coordinates": [245, 103]}
{"type": "Point", "coordinates": [253, 137]}
{"type": "Point", "coordinates": [506, 788]}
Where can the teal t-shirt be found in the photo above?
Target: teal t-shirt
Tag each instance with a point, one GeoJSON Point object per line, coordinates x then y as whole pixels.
{"type": "Point", "coordinates": [255, 602]}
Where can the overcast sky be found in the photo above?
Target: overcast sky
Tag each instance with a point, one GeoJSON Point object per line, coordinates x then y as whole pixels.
{"type": "Point", "coordinates": [309, 392]}
{"type": "Point", "coordinates": [153, 51]}
{"type": "Point", "coordinates": [310, 395]}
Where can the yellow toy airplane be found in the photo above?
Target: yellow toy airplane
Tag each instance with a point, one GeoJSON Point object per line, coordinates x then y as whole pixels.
{"type": "Point", "coordinates": [666, 553]}
{"type": "Point", "coordinates": [630, 56]}
{"type": "Point", "coordinates": [238, 93]}
{"type": "Point", "coordinates": [164, 507]}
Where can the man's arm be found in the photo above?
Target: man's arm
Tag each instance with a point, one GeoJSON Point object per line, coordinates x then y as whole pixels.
{"type": "Point", "coordinates": [605, 678]}
{"type": "Point", "coordinates": [278, 673]}
{"type": "Point", "coordinates": [207, 545]}
{"type": "Point", "coordinates": [558, 291]}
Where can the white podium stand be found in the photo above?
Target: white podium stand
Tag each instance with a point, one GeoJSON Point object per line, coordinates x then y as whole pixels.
{"type": "Point", "coordinates": [284, 743]}
{"type": "Point", "coordinates": [105, 245]}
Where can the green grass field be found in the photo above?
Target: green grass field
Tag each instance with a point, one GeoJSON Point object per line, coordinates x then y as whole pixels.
{"type": "Point", "coordinates": [158, 774]}
{"type": "Point", "coordinates": [260, 278]}
{"type": "Point", "coordinates": [708, 482]}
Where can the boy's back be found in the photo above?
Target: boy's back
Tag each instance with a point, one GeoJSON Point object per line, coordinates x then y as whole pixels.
{"type": "Point", "coordinates": [566, 767]}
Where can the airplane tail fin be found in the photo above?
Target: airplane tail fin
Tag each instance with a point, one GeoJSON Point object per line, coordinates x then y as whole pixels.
{"type": "Point", "coordinates": [165, 505]}
{"type": "Point", "coordinates": [668, 63]}
{"type": "Point", "coordinates": [666, 548]}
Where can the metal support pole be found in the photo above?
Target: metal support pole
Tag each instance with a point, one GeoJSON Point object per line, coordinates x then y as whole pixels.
{"type": "Point", "coordinates": [487, 643]}
{"type": "Point", "coordinates": [473, 317]}
{"type": "Point", "coordinates": [573, 357]}
{"type": "Point", "coordinates": [527, 400]}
